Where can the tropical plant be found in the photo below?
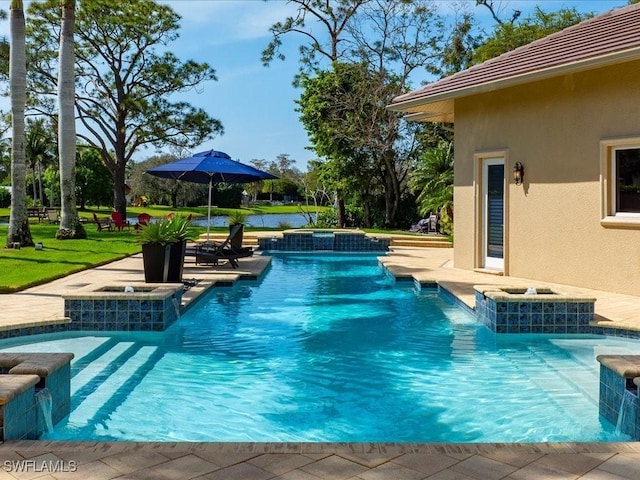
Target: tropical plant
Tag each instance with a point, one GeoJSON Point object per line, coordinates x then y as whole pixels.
{"type": "Point", "coordinates": [432, 179]}
{"type": "Point", "coordinates": [39, 153]}
{"type": "Point", "coordinates": [236, 218]}
{"type": "Point", "coordinates": [70, 227]}
{"type": "Point", "coordinates": [18, 231]}
{"type": "Point", "coordinates": [167, 231]}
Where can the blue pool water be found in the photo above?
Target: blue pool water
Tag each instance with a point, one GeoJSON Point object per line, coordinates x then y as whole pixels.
{"type": "Point", "coordinates": [328, 348]}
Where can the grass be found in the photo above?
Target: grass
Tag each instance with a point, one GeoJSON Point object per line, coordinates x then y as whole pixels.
{"type": "Point", "coordinates": [27, 266]}
{"type": "Point", "coordinates": [163, 210]}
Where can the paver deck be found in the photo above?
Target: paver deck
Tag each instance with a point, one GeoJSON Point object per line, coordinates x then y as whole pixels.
{"type": "Point", "coordinates": [123, 460]}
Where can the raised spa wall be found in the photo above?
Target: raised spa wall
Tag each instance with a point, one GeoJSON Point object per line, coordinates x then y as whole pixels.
{"type": "Point", "coordinates": [146, 308]}
{"type": "Point", "coordinates": [520, 310]}
{"type": "Point", "coordinates": [337, 240]}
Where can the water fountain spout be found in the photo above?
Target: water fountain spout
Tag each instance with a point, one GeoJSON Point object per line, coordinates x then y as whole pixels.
{"type": "Point", "coordinates": [45, 404]}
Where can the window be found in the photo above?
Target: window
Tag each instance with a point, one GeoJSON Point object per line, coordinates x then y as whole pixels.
{"type": "Point", "coordinates": [625, 173]}
{"type": "Point", "coordinates": [620, 182]}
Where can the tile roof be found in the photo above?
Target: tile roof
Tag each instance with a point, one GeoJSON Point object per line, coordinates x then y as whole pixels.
{"type": "Point", "coordinates": [612, 37]}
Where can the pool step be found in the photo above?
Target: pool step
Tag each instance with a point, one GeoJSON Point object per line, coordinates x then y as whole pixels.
{"type": "Point", "coordinates": [124, 369]}
{"type": "Point", "coordinates": [421, 242]}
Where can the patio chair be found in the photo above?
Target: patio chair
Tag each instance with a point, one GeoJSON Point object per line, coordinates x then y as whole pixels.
{"type": "Point", "coordinates": [102, 224]}
{"type": "Point", "coordinates": [53, 216]}
{"type": "Point", "coordinates": [143, 220]}
{"type": "Point", "coordinates": [118, 222]}
{"type": "Point", "coordinates": [210, 253]}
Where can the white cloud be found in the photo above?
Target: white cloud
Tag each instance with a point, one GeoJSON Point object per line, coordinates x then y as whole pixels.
{"type": "Point", "coordinates": [231, 20]}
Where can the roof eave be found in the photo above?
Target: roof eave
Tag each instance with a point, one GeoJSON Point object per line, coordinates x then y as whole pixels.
{"type": "Point", "coordinates": [412, 105]}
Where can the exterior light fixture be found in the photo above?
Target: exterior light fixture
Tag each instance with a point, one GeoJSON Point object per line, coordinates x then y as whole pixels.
{"type": "Point", "coordinates": [518, 173]}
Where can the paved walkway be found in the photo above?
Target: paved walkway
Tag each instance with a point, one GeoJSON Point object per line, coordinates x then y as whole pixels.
{"type": "Point", "coordinates": [89, 460]}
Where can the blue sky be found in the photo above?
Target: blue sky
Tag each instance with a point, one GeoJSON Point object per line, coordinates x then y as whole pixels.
{"type": "Point", "coordinates": [256, 104]}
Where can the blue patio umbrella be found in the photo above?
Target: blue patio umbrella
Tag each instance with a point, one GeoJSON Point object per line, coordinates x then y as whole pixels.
{"type": "Point", "coordinates": [210, 167]}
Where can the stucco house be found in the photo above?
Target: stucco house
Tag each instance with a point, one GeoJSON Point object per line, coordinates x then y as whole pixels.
{"type": "Point", "coordinates": [566, 108]}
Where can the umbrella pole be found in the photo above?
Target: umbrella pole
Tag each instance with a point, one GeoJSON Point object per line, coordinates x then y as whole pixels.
{"type": "Point", "coordinates": [209, 209]}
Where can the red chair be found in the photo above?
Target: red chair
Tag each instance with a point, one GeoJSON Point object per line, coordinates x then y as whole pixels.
{"type": "Point", "coordinates": [102, 224]}
{"type": "Point", "coordinates": [118, 222]}
{"type": "Point", "coordinates": [143, 219]}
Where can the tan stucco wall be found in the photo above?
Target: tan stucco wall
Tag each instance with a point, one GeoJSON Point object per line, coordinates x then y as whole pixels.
{"type": "Point", "coordinates": [554, 127]}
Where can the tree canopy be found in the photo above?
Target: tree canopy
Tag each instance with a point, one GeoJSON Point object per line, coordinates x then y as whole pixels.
{"type": "Point", "coordinates": [126, 80]}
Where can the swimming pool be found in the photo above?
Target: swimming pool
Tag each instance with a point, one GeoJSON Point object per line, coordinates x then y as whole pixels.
{"type": "Point", "coordinates": [326, 347]}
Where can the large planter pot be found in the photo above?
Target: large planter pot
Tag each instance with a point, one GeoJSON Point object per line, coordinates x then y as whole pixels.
{"type": "Point", "coordinates": [236, 241]}
{"type": "Point", "coordinates": [176, 261]}
{"type": "Point", "coordinates": [156, 263]}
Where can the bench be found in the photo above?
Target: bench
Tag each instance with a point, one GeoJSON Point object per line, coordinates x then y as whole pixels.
{"type": "Point", "coordinates": [39, 213]}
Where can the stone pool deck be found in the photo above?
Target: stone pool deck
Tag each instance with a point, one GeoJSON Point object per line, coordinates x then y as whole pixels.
{"type": "Point", "coordinates": [92, 460]}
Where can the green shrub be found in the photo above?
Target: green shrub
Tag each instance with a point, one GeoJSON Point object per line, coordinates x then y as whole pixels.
{"type": "Point", "coordinates": [5, 198]}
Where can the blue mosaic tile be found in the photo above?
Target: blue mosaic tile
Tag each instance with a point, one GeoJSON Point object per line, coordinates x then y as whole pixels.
{"type": "Point", "coordinates": [561, 308]}
{"type": "Point", "coordinates": [122, 305]}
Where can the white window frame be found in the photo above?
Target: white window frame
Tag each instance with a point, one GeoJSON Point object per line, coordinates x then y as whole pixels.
{"type": "Point", "coordinates": [608, 183]}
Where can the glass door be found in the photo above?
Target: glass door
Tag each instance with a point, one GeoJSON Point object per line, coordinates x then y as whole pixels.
{"type": "Point", "coordinates": [493, 218]}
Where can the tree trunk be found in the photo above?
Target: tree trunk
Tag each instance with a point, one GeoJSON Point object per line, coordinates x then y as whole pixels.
{"type": "Point", "coordinates": [392, 190]}
{"type": "Point", "coordinates": [70, 227]}
{"type": "Point", "coordinates": [33, 184]}
{"type": "Point", "coordinates": [342, 214]}
{"type": "Point", "coordinates": [18, 231]}
{"type": "Point", "coordinates": [119, 193]}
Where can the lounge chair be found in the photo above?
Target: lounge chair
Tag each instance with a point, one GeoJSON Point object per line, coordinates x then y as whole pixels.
{"type": "Point", "coordinates": [102, 224]}
{"type": "Point", "coordinates": [210, 253]}
{"type": "Point", "coordinates": [118, 222]}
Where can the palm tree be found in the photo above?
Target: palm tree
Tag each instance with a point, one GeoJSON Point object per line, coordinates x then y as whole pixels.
{"type": "Point", "coordinates": [19, 231]}
{"type": "Point", "coordinates": [38, 152]}
{"type": "Point", "coordinates": [70, 227]}
{"type": "Point", "coordinates": [433, 179]}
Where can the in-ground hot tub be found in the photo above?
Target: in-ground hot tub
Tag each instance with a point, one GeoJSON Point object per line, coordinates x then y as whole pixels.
{"type": "Point", "coordinates": [139, 308]}
{"type": "Point", "coordinates": [347, 240]}
{"type": "Point", "coordinates": [528, 310]}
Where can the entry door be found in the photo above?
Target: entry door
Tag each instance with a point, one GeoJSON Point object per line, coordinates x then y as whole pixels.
{"type": "Point", "coordinates": [493, 217]}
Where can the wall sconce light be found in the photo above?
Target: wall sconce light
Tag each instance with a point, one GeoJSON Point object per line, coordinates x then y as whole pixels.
{"type": "Point", "coordinates": [518, 173]}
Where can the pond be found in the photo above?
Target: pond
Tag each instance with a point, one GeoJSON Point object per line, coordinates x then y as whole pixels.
{"type": "Point", "coordinates": [295, 220]}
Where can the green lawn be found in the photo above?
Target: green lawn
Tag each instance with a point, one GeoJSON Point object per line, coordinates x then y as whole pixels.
{"type": "Point", "coordinates": [27, 266]}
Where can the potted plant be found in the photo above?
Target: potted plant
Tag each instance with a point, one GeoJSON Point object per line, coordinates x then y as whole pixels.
{"type": "Point", "coordinates": [163, 246]}
{"type": "Point", "coordinates": [182, 231]}
{"type": "Point", "coordinates": [236, 218]}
